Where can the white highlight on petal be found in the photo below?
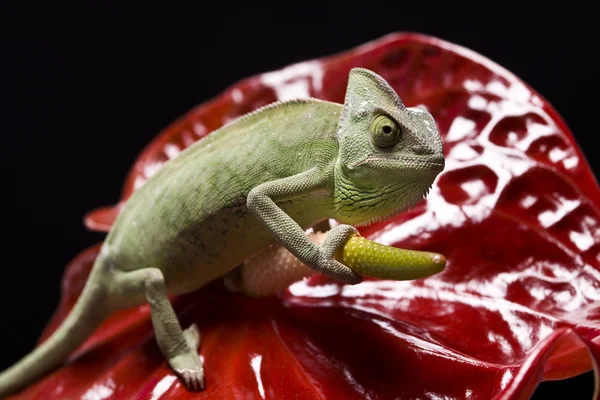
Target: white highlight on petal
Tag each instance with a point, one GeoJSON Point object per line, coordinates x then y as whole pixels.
{"type": "Point", "coordinates": [255, 363]}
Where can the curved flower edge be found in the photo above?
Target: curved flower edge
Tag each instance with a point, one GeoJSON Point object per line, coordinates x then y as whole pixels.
{"type": "Point", "coordinates": [182, 132]}
{"type": "Point", "coordinates": [562, 343]}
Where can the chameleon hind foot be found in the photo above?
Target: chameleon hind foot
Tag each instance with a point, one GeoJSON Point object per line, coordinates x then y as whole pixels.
{"type": "Point", "coordinates": [188, 365]}
{"type": "Point", "coordinates": [188, 368]}
{"type": "Point", "coordinates": [180, 347]}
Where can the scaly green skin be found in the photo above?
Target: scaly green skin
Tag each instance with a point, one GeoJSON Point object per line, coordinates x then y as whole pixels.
{"type": "Point", "coordinates": [263, 178]}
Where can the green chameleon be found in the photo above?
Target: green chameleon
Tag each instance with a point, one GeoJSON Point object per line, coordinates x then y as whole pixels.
{"type": "Point", "coordinates": [262, 179]}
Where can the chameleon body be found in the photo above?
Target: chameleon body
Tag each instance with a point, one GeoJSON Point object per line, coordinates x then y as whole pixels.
{"type": "Point", "coordinates": [263, 178]}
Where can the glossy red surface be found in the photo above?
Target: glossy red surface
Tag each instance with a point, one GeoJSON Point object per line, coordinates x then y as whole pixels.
{"type": "Point", "coordinates": [516, 213]}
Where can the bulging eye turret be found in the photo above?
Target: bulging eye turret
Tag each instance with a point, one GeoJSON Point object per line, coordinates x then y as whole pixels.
{"type": "Point", "coordinates": [385, 132]}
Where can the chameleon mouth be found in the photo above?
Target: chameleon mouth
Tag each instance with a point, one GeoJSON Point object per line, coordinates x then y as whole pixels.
{"type": "Point", "coordinates": [408, 164]}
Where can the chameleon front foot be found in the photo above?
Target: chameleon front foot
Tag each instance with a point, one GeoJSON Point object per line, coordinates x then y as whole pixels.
{"type": "Point", "coordinates": [335, 240]}
{"type": "Point", "coordinates": [188, 365]}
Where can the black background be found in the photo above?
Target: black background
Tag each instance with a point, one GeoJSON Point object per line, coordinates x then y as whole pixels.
{"type": "Point", "coordinates": [85, 88]}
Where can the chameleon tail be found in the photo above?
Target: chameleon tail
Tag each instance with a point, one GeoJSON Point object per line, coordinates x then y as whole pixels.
{"type": "Point", "coordinates": [85, 316]}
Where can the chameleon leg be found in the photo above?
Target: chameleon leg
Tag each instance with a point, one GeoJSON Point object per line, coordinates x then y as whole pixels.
{"type": "Point", "coordinates": [262, 202]}
{"type": "Point", "coordinates": [178, 346]}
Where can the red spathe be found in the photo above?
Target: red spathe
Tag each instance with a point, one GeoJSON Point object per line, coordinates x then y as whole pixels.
{"type": "Point", "coordinates": [515, 212]}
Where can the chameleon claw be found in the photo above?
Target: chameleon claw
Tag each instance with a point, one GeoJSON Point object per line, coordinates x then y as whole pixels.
{"type": "Point", "coordinates": [193, 380]}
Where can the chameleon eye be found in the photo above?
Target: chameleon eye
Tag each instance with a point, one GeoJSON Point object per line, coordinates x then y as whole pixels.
{"type": "Point", "coordinates": [385, 132]}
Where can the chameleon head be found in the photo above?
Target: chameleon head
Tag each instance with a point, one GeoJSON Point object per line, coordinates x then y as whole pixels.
{"type": "Point", "coordinates": [389, 154]}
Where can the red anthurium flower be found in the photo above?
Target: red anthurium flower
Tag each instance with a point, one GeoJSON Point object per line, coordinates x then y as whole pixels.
{"type": "Point", "coordinates": [516, 213]}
